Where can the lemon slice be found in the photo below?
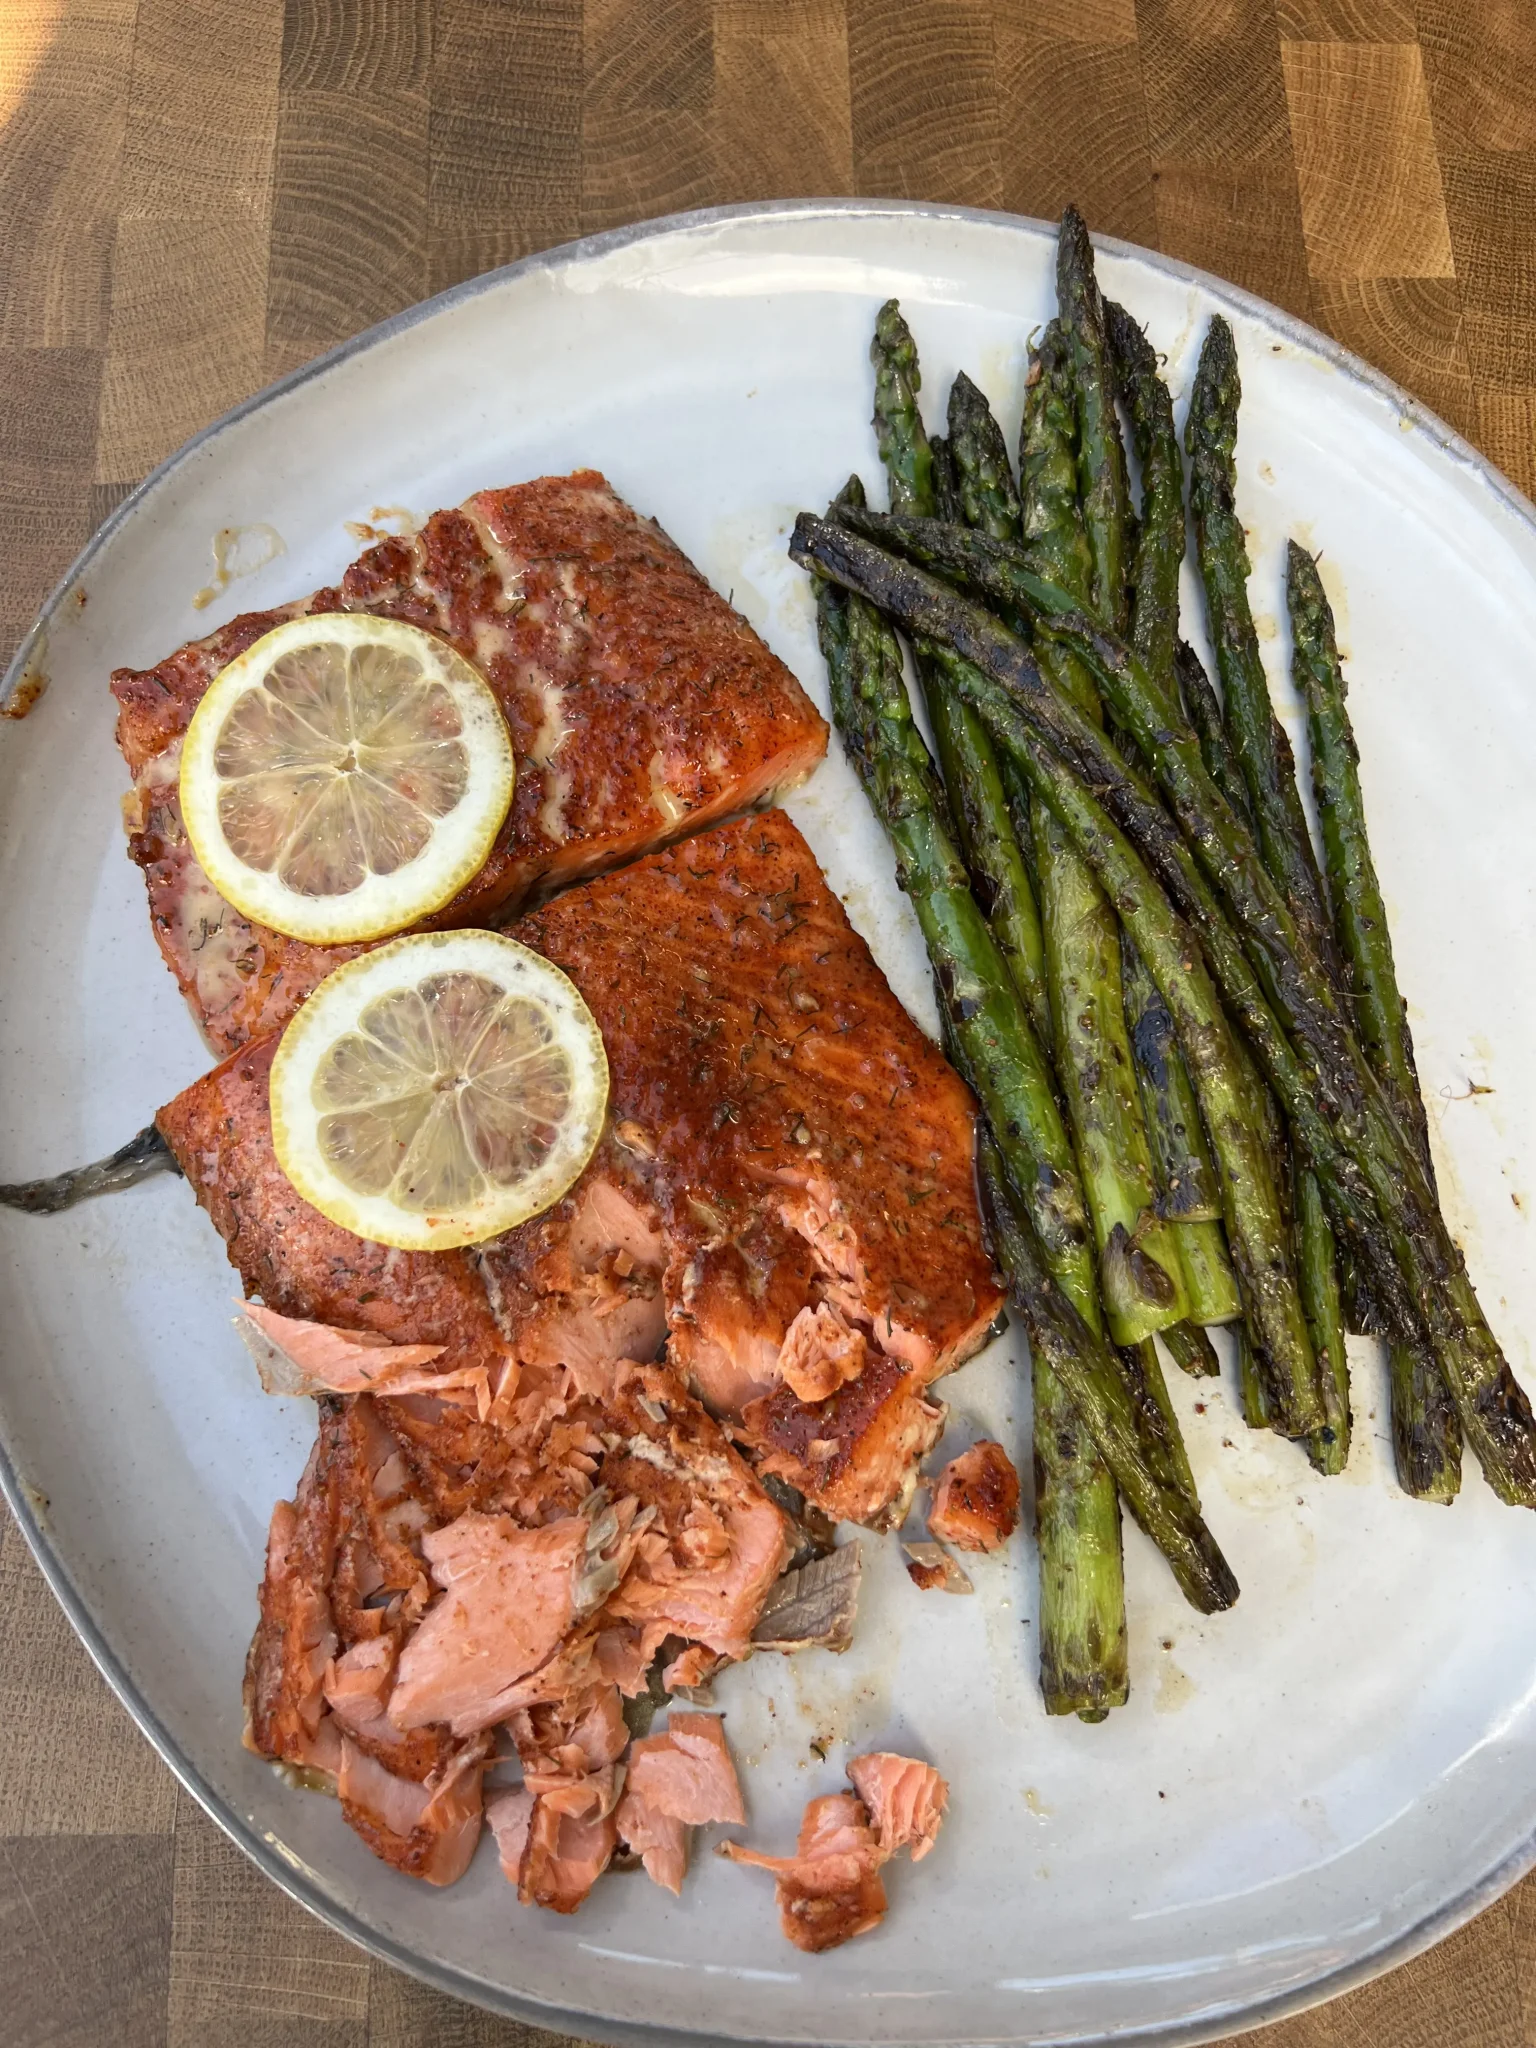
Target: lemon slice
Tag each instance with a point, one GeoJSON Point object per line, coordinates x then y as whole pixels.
{"type": "Point", "coordinates": [439, 1090]}
{"type": "Point", "coordinates": [345, 777]}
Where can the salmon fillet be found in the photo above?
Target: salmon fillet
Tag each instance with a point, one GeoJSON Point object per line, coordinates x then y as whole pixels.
{"type": "Point", "coordinates": [787, 1175]}
{"type": "Point", "coordinates": [906, 1800]}
{"type": "Point", "coordinates": [641, 707]}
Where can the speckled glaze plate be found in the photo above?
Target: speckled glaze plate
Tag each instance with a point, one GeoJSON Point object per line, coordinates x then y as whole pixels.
{"type": "Point", "coordinates": [1301, 1792]}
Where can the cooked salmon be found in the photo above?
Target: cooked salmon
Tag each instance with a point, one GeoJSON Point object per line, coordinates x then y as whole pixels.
{"type": "Point", "coordinates": [976, 1499]}
{"type": "Point", "coordinates": [681, 1778]}
{"type": "Point", "coordinates": [716, 1543]}
{"type": "Point", "coordinates": [784, 1193]}
{"type": "Point", "coordinates": [831, 1888]}
{"type": "Point", "coordinates": [344, 1585]}
{"type": "Point", "coordinates": [905, 1800]}
{"type": "Point", "coordinates": [787, 1173]}
{"type": "Point", "coordinates": [687, 1771]}
{"type": "Point", "coordinates": [411, 1605]}
{"type": "Point", "coordinates": [658, 1839]}
{"type": "Point", "coordinates": [511, 1596]}
{"type": "Point", "coordinates": [428, 1830]}
{"type": "Point", "coordinates": [301, 1265]}
{"type": "Point", "coordinates": [641, 707]}
{"type": "Point", "coordinates": [300, 1358]}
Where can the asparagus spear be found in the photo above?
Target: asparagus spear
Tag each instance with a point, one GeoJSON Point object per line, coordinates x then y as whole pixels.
{"type": "Point", "coordinates": [1188, 1188]}
{"type": "Point", "coordinates": [898, 426]}
{"type": "Point", "coordinates": [1258, 739]}
{"type": "Point", "coordinates": [1425, 1431]}
{"type": "Point", "coordinates": [1378, 1196]}
{"type": "Point", "coordinates": [946, 486]}
{"type": "Point", "coordinates": [1250, 1387]}
{"type": "Point", "coordinates": [1081, 1362]}
{"type": "Point", "coordinates": [1103, 485]}
{"type": "Point", "coordinates": [1154, 624]}
{"type": "Point", "coordinates": [1202, 706]}
{"type": "Point", "coordinates": [1191, 1350]}
{"type": "Point", "coordinates": [1317, 1269]}
{"type": "Point", "coordinates": [989, 498]}
{"type": "Point", "coordinates": [1263, 753]}
{"type": "Point", "coordinates": [1084, 1669]}
{"type": "Point", "coordinates": [966, 757]}
{"type": "Point", "coordinates": [1140, 1270]}
{"type": "Point", "coordinates": [1082, 1619]}
{"type": "Point", "coordinates": [1160, 1431]}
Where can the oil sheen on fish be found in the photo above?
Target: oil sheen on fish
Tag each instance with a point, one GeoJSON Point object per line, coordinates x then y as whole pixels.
{"type": "Point", "coordinates": [641, 708]}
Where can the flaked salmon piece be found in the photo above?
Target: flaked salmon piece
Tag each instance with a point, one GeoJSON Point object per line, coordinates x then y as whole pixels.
{"type": "Point", "coordinates": [357, 1685]}
{"type": "Point", "coordinates": [692, 1668]}
{"type": "Point", "coordinates": [533, 1456]}
{"type": "Point", "coordinates": [659, 1840]}
{"type": "Point", "coordinates": [570, 1750]}
{"type": "Point", "coordinates": [932, 1570]}
{"type": "Point", "coordinates": [509, 1600]}
{"type": "Point", "coordinates": [856, 1453]}
{"type": "Point", "coordinates": [580, 1734]}
{"type": "Point", "coordinates": [581, 1286]}
{"type": "Point", "coordinates": [906, 1800]}
{"type": "Point", "coordinates": [814, 1606]}
{"type": "Point", "coordinates": [687, 1772]}
{"type": "Point", "coordinates": [822, 1351]}
{"type": "Point", "coordinates": [510, 1816]}
{"type": "Point", "coordinates": [300, 1264]}
{"type": "Point", "coordinates": [344, 1582]}
{"type": "Point", "coordinates": [641, 708]}
{"type": "Point", "coordinates": [792, 1139]}
{"type": "Point", "coordinates": [380, 1584]}
{"type": "Point", "coordinates": [302, 1358]}
{"type": "Point", "coordinates": [731, 1306]}
{"type": "Point", "coordinates": [285, 1709]}
{"type": "Point", "coordinates": [716, 1543]}
{"type": "Point", "coordinates": [830, 1889]}
{"type": "Point", "coordinates": [976, 1500]}
{"type": "Point", "coordinates": [564, 1857]}
{"type": "Point", "coordinates": [427, 1830]}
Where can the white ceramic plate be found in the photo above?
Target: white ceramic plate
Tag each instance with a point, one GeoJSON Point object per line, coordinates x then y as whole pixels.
{"type": "Point", "coordinates": [1302, 1791]}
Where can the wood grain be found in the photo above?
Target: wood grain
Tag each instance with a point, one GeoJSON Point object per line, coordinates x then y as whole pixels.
{"type": "Point", "coordinates": [779, 117]}
{"type": "Point", "coordinates": [198, 196]}
{"type": "Point", "coordinates": [1371, 203]}
{"type": "Point", "coordinates": [922, 81]}
{"type": "Point", "coordinates": [1219, 135]}
{"type": "Point", "coordinates": [506, 132]}
{"type": "Point", "coordinates": [249, 1968]}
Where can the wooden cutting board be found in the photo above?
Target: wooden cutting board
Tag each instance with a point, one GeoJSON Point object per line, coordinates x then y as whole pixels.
{"type": "Point", "coordinates": [196, 196]}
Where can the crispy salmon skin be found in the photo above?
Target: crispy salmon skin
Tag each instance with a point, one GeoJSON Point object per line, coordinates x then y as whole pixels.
{"type": "Point", "coordinates": [641, 707]}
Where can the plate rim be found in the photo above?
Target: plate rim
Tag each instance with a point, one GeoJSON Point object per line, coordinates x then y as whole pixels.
{"type": "Point", "coordinates": [269, 1856]}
